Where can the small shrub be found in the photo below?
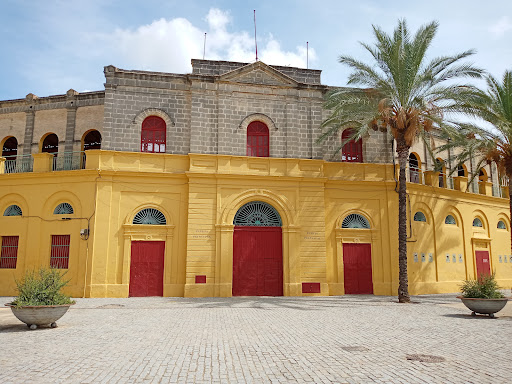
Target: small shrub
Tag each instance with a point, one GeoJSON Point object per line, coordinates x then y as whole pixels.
{"type": "Point", "coordinates": [485, 287]}
{"type": "Point", "coordinates": [42, 287]}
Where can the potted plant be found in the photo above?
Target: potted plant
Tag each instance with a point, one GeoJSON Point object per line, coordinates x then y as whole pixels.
{"type": "Point", "coordinates": [40, 299]}
{"type": "Point", "coordinates": [482, 295]}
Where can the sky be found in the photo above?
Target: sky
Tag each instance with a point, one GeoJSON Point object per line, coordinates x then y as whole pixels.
{"type": "Point", "coordinates": [48, 47]}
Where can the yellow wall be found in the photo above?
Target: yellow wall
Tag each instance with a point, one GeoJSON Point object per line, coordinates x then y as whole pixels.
{"type": "Point", "coordinates": [199, 196]}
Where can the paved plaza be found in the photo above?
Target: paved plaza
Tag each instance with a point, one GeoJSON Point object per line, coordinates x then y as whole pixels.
{"type": "Point", "coordinates": [348, 339]}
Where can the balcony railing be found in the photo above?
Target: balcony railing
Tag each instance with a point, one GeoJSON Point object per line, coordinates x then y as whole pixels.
{"type": "Point", "coordinates": [19, 164]}
{"type": "Point", "coordinates": [417, 176]}
{"type": "Point", "coordinates": [68, 161]}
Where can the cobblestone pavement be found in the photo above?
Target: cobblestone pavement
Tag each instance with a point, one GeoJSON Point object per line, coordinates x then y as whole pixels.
{"type": "Point", "coordinates": [349, 339]}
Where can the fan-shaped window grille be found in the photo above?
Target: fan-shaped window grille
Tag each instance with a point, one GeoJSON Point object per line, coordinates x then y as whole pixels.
{"type": "Point", "coordinates": [14, 210]}
{"type": "Point", "coordinates": [150, 216]}
{"type": "Point", "coordinates": [355, 221]}
{"type": "Point", "coordinates": [420, 216]}
{"type": "Point", "coordinates": [477, 223]}
{"type": "Point", "coordinates": [450, 220]}
{"type": "Point", "coordinates": [257, 214]}
{"type": "Point", "coordinates": [501, 225]}
{"type": "Point", "coordinates": [63, 209]}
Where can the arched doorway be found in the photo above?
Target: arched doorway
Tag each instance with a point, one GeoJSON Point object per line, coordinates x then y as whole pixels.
{"type": "Point", "coordinates": [352, 151]}
{"type": "Point", "coordinates": [153, 135]}
{"type": "Point", "coordinates": [357, 258]}
{"type": "Point", "coordinates": [92, 140]}
{"type": "Point", "coordinates": [51, 145]}
{"type": "Point", "coordinates": [257, 251]}
{"type": "Point", "coordinates": [414, 168]}
{"type": "Point", "coordinates": [257, 139]}
{"type": "Point", "coordinates": [9, 152]}
{"type": "Point", "coordinates": [147, 258]}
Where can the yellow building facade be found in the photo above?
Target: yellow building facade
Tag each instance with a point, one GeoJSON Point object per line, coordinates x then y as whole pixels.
{"type": "Point", "coordinates": [199, 195]}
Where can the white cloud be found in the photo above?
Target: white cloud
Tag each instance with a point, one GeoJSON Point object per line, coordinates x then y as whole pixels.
{"type": "Point", "coordinates": [501, 27]}
{"type": "Point", "coordinates": [169, 45]}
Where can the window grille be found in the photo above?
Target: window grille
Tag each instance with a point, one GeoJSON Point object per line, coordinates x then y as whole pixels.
{"type": "Point", "coordinates": [153, 135]}
{"type": "Point", "coordinates": [450, 220]}
{"type": "Point", "coordinates": [352, 150]}
{"type": "Point", "coordinates": [420, 216]}
{"type": "Point", "coordinates": [355, 221]}
{"type": "Point", "coordinates": [257, 139]}
{"type": "Point", "coordinates": [257, 214]}
{"type": "Point", "coordinates": [9, 253]}
{"type": "Point", "coordinates": [59, 257]}
{"type": "Point", "coordinates": [63, 209]}
{"type": "Point", "coordinates": [13, 210]}
{"type": "Point", "coordinates": [477, 223]}
{"type": "Point", "coordinates": [501, 225]}
{"type": "Point", "coordinates": [150, 216]}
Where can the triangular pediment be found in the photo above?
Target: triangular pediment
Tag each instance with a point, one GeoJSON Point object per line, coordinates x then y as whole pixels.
{"type": "Point", "coordinates": [258, 73]}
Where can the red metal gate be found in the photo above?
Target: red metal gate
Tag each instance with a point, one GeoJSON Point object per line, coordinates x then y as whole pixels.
{"type": "Point", "coordinates": [483, 266]}
{"type": "Point", "coordinates": [357, 268]}
{"type": "Point", "coordinates": [147, 268]}
{"type": "Point", "coordinates": [257, 261]}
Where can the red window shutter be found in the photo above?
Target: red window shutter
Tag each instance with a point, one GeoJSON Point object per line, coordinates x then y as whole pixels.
{"type": "Point", "coordinates": [153, 135]}
{"type": "Point", "coordinates": [352, 151]}
{"type": "Point", "coordinates": [59, 257]}
{"type": "Point", "coordinates": [9, 253]}
{"type": "Point", "coordinates": [257, 139]}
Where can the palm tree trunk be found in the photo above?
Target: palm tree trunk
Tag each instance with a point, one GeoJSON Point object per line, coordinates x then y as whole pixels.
{"type": "Point", "coordinates": [403, 284]}
{"type": "Point", "coordinates": [510, 205]}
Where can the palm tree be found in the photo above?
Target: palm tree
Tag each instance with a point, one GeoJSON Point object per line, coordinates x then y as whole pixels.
{"type": "Point", "coordinates": [403, 95]}
{"type": "Point", "coordinates": [487, 144]}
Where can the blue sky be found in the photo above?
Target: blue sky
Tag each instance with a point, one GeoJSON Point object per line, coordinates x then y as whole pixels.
{"type": "Point", "coordinates": [50, 46]}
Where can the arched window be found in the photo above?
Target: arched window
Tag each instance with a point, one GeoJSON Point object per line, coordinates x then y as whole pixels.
{"type": "Point", "coordinates": [450, 220]}
{"type": "Point", "coordinates": [13, 210]}
{"type": "Point", "coordinates": [63, 209]}
{"type": "Point", "coordinates": [257, 139]}
{"type": "Point", "coordinates": [477, 223]}
{"type": "Point", "coordinates": [420, 216]}
{"type": "Point", "coordinates": [257, 214]}
{"type": "Point", "coordinates": [353, 150]}
{"type": "Point", "coordinates": [150, 216]}
{"type": "Point", "coordinates": [9, 152]}
{"type": "Point", "coordinates": [461, 171]}
{"type": "Point", "coordinates": [92, 140]}
{"type": "Point", "coordinates": [502, 225]}
{"type": "Point", "coordinates": [153, 136]}
{"type": "Point", "coordinates": [414, 169]}
{"type": "Point", "coordinates": [355, 221]}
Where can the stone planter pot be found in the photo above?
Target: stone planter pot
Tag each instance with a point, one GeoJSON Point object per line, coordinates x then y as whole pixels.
{"type": "Point", "coordinates": [484, 306]}
{"type": "Point", "coordinates": [39, 315]}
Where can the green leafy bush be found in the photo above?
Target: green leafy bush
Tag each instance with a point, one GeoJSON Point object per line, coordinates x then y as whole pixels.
{"type": "Point", "coordinates": [42, 287]}
{"type": "Point", "coordinates": [485, 287]}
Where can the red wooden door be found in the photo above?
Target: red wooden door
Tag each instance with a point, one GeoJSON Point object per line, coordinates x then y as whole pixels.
{"type": "Point", "coordinates": [483, 267]}
{"type": "Point", "coordinates": [257, 261]}
{"type": "Point", "coordinates": [147, 268]}
{"type": "Point", "coordinates": [357, 268]}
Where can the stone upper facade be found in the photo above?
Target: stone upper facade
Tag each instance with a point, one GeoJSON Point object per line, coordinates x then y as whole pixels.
{"type": "Point", "coordinates": [206, 111]}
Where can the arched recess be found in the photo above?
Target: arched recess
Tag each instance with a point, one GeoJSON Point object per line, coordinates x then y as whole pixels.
{"type": "Point", "coordinates": [462, 171]}
{"type": "Point", "coordinates": [62, 197]}
{"type": "Point", "coordinates": [10, 151]}
{"type": "Point", "coordinates": [258, 140]}
{"type": "Point", "coordinates": [49, 143]}
{"type": "Point", "coordinates": [14, 199]}
{"type": "Point", "coordinates": [414, 168]}
{"type": "Point", "coordinates": [290, 242]}
{"type": "Point", "coordinates": [482, 175]}
{"type": "Point", "coordinates": [421, 251]}
{"type": "Point", "coordinates": [481, 241]}
{"type": "Point", "coordinates": [355, 245]}
{"type": "Point", "coordinates": [91, 140]}
{"type": "Point", "coordinates": [139, 235]}
{"type": "Point", "coordinates": [441, 167]}
{"type": "Point", "coordinates": [501, 255]}
{"type": "Point", "coordinates": [257, 251]}
{"type": "Point", "coordinates": [257, 117]}
{"type": "Point", "coordinates": [451, 246]}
